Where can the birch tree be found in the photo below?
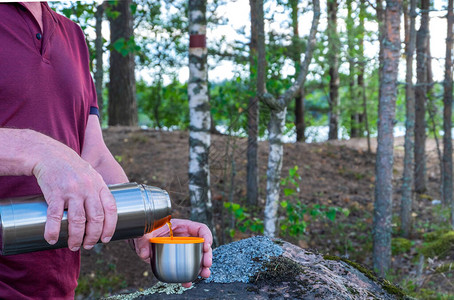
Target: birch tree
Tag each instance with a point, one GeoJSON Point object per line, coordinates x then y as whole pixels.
{"type": "Point", "coordinates": [278, 108]}
{"type": "Point", "coordinates": [199, 115]}
{"type": "Point", "coordinates": [384, 159]}
{"type": "Point", "coordinates": [122, 85]}
{"type": "Point", "coordinates": [407, 180]}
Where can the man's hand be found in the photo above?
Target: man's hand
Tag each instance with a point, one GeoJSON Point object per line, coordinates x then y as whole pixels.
{"type": "Point", "coordinates": [180, 228]}
{"type": "Point", "coordinates": [69, 182]}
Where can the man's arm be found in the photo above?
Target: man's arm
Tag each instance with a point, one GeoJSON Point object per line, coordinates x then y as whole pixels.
{"type": "Point", "coordinates": [98, 155]}
{"type": "Point", "coordinates": [67, 182]}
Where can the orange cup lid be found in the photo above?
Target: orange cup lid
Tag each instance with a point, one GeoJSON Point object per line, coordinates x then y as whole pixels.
{"type": "Point", "coordinates": [177, 240]}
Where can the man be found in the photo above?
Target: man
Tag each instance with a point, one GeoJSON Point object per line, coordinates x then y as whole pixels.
{"type": "Point", "coordinates": [51, 142]}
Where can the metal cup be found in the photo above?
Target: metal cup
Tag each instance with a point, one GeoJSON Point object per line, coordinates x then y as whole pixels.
{"type": "Point", "coordinates": [176, 260]}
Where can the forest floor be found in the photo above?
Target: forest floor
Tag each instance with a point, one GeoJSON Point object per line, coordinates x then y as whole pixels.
{"type": "Point", "coordinates": [333, 175]}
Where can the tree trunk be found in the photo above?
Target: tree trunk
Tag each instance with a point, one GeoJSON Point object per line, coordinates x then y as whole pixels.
{"type": "Point", "coordinates": [273, 173]}
{"type": "Point", "coordinates": [99, 73]}
{"type": "Point", "coordinates": [253, 116]}
{"type": "Point", "coordinates": [384, 159]}
{"type": "Point", "coordinates": [447, 116]}
{"type": "Point", "coordinates": [351, 35]}
{"type": "Point", "coordinates": [199, 117]}
{"type": "Point", "coordinates": [362, 66]}
{"type": "Point", "coordinates": [420, 99]}
{"type": "Point", "coordinates": [299, 116]}
{"type": "Point", "coordinates": [407, 180]}
{"type": "Point", "coordinates": [122, 85]}
{"type": "Point", "coordinates": [278, 108]}
{"type": "Point", "coordinates": [296, 57]}
{"type": "Point", "coordinates": [333, 60]}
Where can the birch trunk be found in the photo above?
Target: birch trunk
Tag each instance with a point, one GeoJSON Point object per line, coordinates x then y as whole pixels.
{"type": "Point", "coordinates": [447, 116]}
{"type": "Point", "coordinates": [253, 117]}
{"type": "Point", "coordinates": [420, 99]}
{"type": "Point", "coordinates": [278, 109]}
{"type": "Point", "coordinates": [407, 180]}
{"type": "Point", "coordinates": [199, 117]}
{"type": "Point", "coordinates": [333, 59]}
{"type": "Point", "coordinates": [384, 159]}
{"type": "Point", "coordinates": [122, 85]}
{"type": "Point", "coordinates": [273, 173]}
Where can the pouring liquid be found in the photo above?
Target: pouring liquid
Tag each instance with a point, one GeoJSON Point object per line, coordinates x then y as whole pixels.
{"type": "Point", "coordinates": [170, 228]}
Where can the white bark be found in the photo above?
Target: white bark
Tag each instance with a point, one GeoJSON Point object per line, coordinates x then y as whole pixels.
{"type": "Point", "coordinates": [273, 174]}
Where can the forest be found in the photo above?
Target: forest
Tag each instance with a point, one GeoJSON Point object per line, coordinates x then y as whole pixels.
{"type": "Point", "coordinates": [325, 123]}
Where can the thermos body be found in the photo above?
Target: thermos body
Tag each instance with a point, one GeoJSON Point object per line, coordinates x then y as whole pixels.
{"type": "Point", "coordinates": [141, 209]}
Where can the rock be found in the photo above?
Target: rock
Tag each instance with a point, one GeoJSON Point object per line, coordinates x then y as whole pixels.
{"type": "Point", "coordinates": [277, 269]}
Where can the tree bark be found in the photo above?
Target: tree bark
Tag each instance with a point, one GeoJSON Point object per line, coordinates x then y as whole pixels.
{"type": "Point", "coordinates": [199, 117]}
{"type": "Point", "coordinates": [407, 180]}
{"type": "Point", "coordinates": [99, 73]}
{"type": "Point", "coordinates": [447, 116]}
{"type": "Point", "coordinates": [122, 85]}
{"type": "Point", "coordinates": [420, 99]}
{"type": "Point", "coordinates": [278, 108]}
{"type": "Point", "coordinates": [296, 57]}
{"type": "Point", "coordinates": [333, 59]}
{"type": "Point", "coordinates": [253, 116]}
{"type": "Point", "coordinates": [384, 159]}
{"type": "Point", "coordinates": [351, 35]}
{"type": "Point", "coordinates": [362, 66]}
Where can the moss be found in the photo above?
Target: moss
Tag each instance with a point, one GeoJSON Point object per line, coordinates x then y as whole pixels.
{"type": "Point", "coordinates": [385, 284]}
{"type": "Point", "coordinates": [400, 245]}
{"type": "Point", "coordinates": [278, 269]}
{"type": "Point", "coordinates": [434, 235]}
{"type": "Point", "coordinates": [445, 268]}
{"type": "Point", "coordinates": [439, 246]}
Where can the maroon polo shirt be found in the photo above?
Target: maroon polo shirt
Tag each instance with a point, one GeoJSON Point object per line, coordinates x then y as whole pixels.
{"type": "Point", "coordinates": [45, 85]}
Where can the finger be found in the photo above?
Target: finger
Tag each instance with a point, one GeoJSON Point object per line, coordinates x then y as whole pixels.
{"type": "Point", "coordinates": [207, 259]}
{"type": "Point", "coordinates": [187, 284]}
{"type": "Point", "coordinates": [95, 221]}
{"type": "Point", "coordinates": [143, 247]}
{"type": "Point", "coordinates": [186, 227]}
{"type": "Point", "coordinates": [205, 273]}
{"type": "Point", "coordinates": [110, 214]}
{"type": "Point", "coordinates": [76, 224]}
{"type": "Point", "coordinates": [53, 221]}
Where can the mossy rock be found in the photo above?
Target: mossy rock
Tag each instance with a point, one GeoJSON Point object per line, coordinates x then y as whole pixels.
{"type": "Point", "coordinates": [434, 235]}
{"type": "Point", "coordinates": [440, 246]}
{"type": "Point", "coordinates": [386, 285]}
{"type": "Point", "coordinates": [400, 245]}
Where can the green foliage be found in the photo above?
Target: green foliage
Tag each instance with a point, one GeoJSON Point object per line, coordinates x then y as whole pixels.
{"type": "Point", "coordinates": [400, 245]}
{"type": "Point", "coordinates": [243, 219]}
{"type": "Point", "coordinates": [125, 47]}
{"type": "Point", "coordinates": [100, 284]}
{"type": "Point", "coordinates": [440, 246]}
{"type": "Point", "coordinates": [299, 215]}
{"type": "Point", "coordinates": [163, 106]}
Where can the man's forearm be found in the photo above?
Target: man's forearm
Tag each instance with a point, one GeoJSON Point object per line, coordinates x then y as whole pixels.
{"type": "Point", "coordinates": [20, 150]}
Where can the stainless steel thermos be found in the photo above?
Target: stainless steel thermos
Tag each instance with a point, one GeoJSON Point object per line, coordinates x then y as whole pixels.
{"type": "Point", "coordinates": [141, 209]}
